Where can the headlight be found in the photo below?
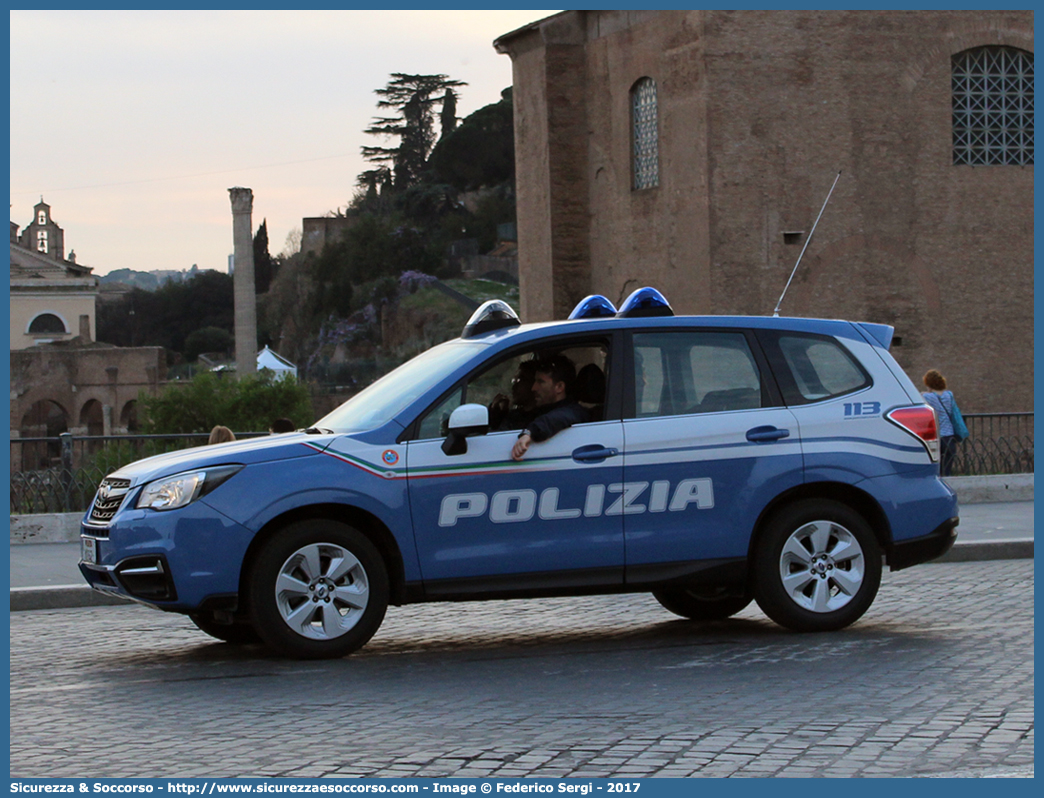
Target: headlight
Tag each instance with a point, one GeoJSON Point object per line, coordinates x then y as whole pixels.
{"type": "Point", "coordinates": [176, 491]}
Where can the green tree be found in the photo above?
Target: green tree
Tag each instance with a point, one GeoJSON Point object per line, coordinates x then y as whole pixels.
{"type": "Point", "coordinates": [413, 97]}
{"type": "Point", "coordinates": [168, 315]}
{"type": "Point", "coordinates": [481, 151]}
{"type": "Point", "coordinates": [264, 265]}
{"type": "Point", "coordinates": [207, 339]}
{"type": "Point", "coordinates": [448, 117]}
{"type": "Point", "coordinates": [244, 405]}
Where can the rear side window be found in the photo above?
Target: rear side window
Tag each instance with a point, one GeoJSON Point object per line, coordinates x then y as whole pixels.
{"type": "Point", "coordinates": [815, 367]}
{"type": "Point", "coordinates": [679, 373]}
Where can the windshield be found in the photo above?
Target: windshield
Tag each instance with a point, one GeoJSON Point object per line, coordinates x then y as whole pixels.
{"type": "Point", "coordinates": [391, 394]}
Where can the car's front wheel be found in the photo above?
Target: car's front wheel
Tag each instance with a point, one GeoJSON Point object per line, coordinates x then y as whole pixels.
{"type": "Point", "coordinates": [697, 606]}
{"type": "Point", "coordinates": [318, 590]}
{"type": "Point", "coordinates": [817, 567]}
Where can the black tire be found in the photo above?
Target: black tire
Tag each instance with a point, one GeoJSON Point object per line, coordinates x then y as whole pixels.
{"type": "Point", "coordinates": [318, 590]}
{"type": "Point", "coordinates": [817, 566]}
{"type": "Point", "coordinates": [700, 606]}
{"type": "Point", "coordinates": [238, 633]}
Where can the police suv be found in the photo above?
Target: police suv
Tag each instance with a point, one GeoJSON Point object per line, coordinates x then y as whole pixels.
{"type": "Point", "coordinates": [725, 459]}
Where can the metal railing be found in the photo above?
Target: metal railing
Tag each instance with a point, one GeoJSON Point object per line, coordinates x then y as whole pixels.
{"type": "Point", "coordinates": [997, 443]}
{"type": "Point", "coordinates": [60, 475]}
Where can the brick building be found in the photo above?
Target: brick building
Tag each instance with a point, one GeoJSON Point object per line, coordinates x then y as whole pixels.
{"type": "Point", "coordinates": [62, 380]}
{"type": "Point", "coordinates": [318, 231]}
{"type": "Point", "coordinates": [692, 150]}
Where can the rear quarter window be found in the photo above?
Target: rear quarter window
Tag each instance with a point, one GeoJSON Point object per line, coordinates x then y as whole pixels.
{"type": "Point", "coordinates": [811, 368]}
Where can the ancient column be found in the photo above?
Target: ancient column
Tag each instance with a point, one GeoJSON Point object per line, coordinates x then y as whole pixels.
{"type": "Point", "coordinates": [243, 281]}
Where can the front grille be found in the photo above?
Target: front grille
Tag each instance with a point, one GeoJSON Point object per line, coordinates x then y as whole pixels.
{"type": "Point", "coordinates": [111, 494]}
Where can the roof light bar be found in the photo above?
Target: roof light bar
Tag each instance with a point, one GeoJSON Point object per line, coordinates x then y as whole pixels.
{"type": "Point", "coordinates": [492, 315]}
{"type": "Point", "coordinates": [645, 302]}
{"type": "Point", "coordinates": [594, 306]}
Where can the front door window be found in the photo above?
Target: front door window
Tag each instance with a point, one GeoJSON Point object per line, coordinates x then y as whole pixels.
{"type": "Point", "coordinates": [481, 513]}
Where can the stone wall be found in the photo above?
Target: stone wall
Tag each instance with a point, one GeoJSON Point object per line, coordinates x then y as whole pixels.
{"type": "Point", "coordinates": [758, 111]}
{"type": "Point", "coordinates": [318, 231]}
{"type": "Point", "coordinates": [98, 384]}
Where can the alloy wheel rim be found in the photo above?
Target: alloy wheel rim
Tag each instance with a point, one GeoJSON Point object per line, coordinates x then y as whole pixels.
{"type": "Point", "coordinates": [822, 566]}
{"type": "Point", "coordinates": [322, 591]}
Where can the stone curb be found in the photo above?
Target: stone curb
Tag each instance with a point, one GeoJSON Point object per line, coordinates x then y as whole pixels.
{"type": "Point", "coordinates": [991, 550]}
{"type": "Point", "coordinates": [993, 488]}
{"type": "Point", "coordinates": [72, 596]}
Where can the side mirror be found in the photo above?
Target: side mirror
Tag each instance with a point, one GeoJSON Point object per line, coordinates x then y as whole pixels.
{"type": "Point", "coordinates": [465, 421]}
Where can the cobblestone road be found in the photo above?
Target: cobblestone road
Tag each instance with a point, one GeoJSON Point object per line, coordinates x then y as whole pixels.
{"type": "Point", "coordinates": [937, 679]}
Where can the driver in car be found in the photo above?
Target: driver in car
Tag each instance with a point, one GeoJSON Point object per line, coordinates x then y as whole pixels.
{"type": "Point", "coordinates": [556, 410]}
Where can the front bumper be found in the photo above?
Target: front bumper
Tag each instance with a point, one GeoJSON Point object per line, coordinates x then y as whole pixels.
{"type": "Point", "coordinates": [145, 578]}
{"type": "Point", "coordinates": [178, 560]}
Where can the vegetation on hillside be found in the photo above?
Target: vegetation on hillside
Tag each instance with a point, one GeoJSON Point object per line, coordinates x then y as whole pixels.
{"type": "Point", "coordinates": [348, 313]}
{"type": "Point", "coordinates": [437, 191]}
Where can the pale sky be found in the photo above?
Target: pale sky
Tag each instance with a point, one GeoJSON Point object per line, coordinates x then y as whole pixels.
{"type": "Point", "coordinates": [132, 125]}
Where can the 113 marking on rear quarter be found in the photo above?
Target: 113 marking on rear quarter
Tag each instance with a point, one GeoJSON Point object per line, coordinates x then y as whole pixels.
{"type": "Point", "coordinates": [861, 409]}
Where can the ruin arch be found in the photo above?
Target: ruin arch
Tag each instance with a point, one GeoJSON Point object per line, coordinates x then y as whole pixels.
{"type": "Point", "coordinates": [92, 418]}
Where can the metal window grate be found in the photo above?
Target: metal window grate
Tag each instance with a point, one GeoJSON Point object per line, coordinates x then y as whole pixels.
{"type": "Point", "coordinates": [993, 106]}
{"type": "Point", "coordinates": [645, 134]}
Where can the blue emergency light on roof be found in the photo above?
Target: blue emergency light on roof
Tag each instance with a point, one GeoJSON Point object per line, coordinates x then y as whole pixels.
{"type": "Point", "coordinates": [594, 306]}
{"type": "Point", "coordinates": [645, 302]}
{"type": "Point", "coordinates": [492, 315]}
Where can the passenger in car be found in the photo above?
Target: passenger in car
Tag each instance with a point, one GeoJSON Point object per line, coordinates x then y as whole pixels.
{"type": "Point", "coordinates": [515, 412]}
{"type": "Point", "coordinates": [557, 409]}
{"type": "Point", "coordinates": [590, 390]}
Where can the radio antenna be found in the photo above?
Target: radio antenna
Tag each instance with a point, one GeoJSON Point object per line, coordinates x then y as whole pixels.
{"type": "Point", "coordinates": [794, 270]}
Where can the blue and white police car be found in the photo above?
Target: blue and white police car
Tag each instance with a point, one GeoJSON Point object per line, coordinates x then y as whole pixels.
{"type": "Point", "coordinates": [724, 460]}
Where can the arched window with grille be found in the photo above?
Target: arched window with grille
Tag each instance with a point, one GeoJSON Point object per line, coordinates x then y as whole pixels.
{"type": "Point", "coordinates": [645, 134]}
{"type": "Point", "coordinates": [992, 106]}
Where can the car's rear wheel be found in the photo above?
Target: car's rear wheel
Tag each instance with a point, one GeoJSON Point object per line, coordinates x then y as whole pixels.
{"type": "Point", "coordinates": [239, 632]}
{"type": "Point", "coordinates": [319, 589]}
{"type": "Point", "coordinates": [817, 566]}
{"type": "Point", "coordinates": [700, 606]}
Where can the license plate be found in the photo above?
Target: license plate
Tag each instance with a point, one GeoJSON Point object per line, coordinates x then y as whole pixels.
{"type": "Point", "coordinates": [89, 550]}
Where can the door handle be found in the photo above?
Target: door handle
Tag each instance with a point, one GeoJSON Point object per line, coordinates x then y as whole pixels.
{"type": "Point", "coordinates": [768, 433]}
{"type": "Point", "coordinates": [594, 453]}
